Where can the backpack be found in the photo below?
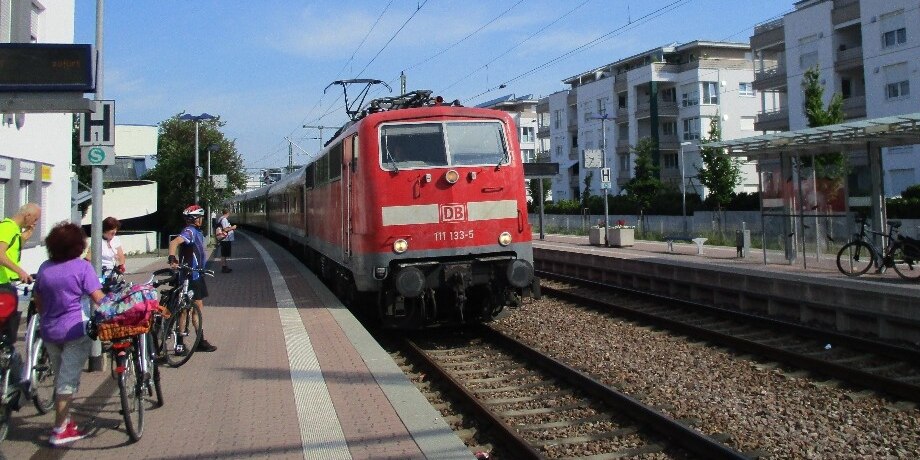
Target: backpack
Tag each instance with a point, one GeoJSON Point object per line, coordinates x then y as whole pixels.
{"type": "Point", "coordinates": [9, 313]}
{"type": "Point", "coordinates": [131, 306]}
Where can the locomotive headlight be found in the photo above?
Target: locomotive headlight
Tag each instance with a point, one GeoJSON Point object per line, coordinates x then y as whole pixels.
{"type": "Point", "coordinates": [452, 176]}
{"type": "Point", "coordinates": [504, 239]}
{"type": "Point", "coordinates": [400, 246]}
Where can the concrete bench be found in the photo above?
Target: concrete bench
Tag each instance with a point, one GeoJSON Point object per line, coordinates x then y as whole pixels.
{"type": "Point", "coordinates": [699, 242]}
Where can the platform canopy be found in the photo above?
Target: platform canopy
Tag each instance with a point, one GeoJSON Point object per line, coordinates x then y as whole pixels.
{"type": "Point", "coordinates": [884, 132]}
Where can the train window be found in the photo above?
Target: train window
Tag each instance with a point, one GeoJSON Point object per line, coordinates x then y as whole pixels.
{"type": "Point", "coordinates": [335, 161]}
{"type": "Point", "coordinates": [322, 169]}
{"type": "Point", "coordinates": [308, 176]}
{"type": "Point", "coordinates": [354, 153]}
{"type": "Point", "coordinates": [476, 143]}
{"type": "Point", "coordinates": [412, 146]}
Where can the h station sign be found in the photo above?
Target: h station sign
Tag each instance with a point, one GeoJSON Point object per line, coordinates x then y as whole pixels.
{"type": "Point", "coordinates": [97, 135]}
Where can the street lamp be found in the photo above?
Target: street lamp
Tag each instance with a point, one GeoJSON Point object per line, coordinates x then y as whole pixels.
{"type": "Point", "coordinates": [683, 186]}
{"type": "Point", "coordinates": [603, 119]}
{"type": "Point", "coordinates": [197, 119]}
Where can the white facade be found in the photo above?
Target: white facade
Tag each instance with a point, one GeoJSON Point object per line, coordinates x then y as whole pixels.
{"type": "Point", "coordinates": [35, 149]}
{"type": "Point", "coordinates": [669, 94]}
{"type": "Point", "coordinates": [866, 50]}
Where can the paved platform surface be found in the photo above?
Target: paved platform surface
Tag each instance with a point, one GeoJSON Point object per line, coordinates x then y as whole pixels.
{"type": "Point", "coordinates": [725, 258]}
{"type": "Point", "coordinates": [294, 376]}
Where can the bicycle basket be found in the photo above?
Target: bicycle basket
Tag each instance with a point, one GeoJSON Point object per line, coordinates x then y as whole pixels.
{"type": "Point", "coordinates": [112, 331]}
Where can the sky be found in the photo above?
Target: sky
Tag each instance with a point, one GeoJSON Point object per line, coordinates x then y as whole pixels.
{"type": "Point", "coordinates": [262, 66]}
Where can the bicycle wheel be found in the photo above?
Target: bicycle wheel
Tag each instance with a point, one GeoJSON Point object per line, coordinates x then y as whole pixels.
{"type": "Point", "coordinates": [6, 412]}
{"type": "Point", "coordinates": [156, 336]}
{"type": "Point", "coordinates": [906, 267]}
{"type": "Point", "coordinates": [854, 258]}
{"type": "Point", "coordinates": [157, 386]}
{"type": "Point", "coordinates": [183, 328]}
{"type": "Point", "coordinates": [130, 388]}
{"type": "Point", "coordinates": [41, 379]}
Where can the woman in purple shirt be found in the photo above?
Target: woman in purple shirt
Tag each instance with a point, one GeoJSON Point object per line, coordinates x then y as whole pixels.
{"type": "Point", "coordinates": [62, 282]}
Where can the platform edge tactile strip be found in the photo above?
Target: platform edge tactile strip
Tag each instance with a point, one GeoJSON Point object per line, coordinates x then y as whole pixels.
{"type": "Point", "coordinates": [321, 440]}
{"type": "Point", "coordinates": [429, 430]}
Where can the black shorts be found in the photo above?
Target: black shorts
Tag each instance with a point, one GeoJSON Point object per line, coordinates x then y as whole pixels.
{"type": "Point", "coordinates": [199, 288]}
{"type": "Point", "coordinates": [225, 247]}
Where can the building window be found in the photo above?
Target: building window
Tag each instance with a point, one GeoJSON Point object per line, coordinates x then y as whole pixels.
{"type": "Point", "coordinates": [691, 128]}
{"type": "Point", "coordinates": [623, 131]}
{"type": "Point", "coordinates": [746, 123]}
{"type": "Point", "coordinates": [808, 52]}
{"type": "Point", "coordinates": [543, 120]}
{"type": "Point", "coordinates": [897, 84]}
{"type": "Point", "coordinates": [621, 100]}
{"type": "Point", "coordinates": [745, 89]}
{"type": "Point", "coordinates": [558, 118]}
{"type": "Point", "coordinates": [894, 37]}
{"type": "Point", "coordinates": [559, 151]}
{"type": "Point", "coordinates": [669, 128]}
{"type": "Point", "coordinates": [624, 162]}
{"type": "Point", "coordinates": [690, 94]}
{"type": "Point", "coordinates": [670, 160]}
{"type": "Point", "coordinates": [668, 95]}
{"type": "Point", "coordinates": [528, 155]}
{"type": "Point", "coordinates": [527, 134]}
{"type": "Point", "coordinates": [897, 90]}
{"type": "Point", "coordinates": [710, 92]}
{"type": "Point", "coordinates": [602, 106]}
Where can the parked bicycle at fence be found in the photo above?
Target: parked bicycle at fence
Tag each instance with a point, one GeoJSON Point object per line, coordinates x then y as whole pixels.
{"type": "Point", "coordinates": [181, 332]}
{"type": "Point", "coordinates": [861, 253]}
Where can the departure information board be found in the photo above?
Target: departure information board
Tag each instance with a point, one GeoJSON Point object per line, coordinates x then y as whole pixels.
{"type": "Point", "coordinates": [46, 67]}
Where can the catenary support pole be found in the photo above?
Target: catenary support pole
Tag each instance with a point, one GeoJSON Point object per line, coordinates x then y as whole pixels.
{"type": "Point", "coordinates": [95, 356]}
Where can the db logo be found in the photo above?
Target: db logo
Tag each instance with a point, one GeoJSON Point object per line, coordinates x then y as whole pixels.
{"type": "Point", "coordinates": [453, 212]}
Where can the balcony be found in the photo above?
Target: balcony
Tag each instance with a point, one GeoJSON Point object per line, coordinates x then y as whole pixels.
{"type": "Point", "coordinates": [772, 121]}
{"type": "Point", "coordinates": [572, 98]}
{"type": "Point", "coordinates": [854, 107]}
{"type": "Point", "coordinates": [668, 142]}
{"type": "Point", "coordinates": [850, 58]}
{"type": "Point", "coordinates": [573, 122]}
{"type": "Point", "coordinates": [665, 109]}
{"type": "Point", "coordinates": [768, 34]}
{"type": "Point", "coordinates": [622, 114]}
{"type": "Point", "coordinates": [623, 146]}
{"type": "Point", "coordinates": [619, 83]}
{"type": "Point", "coordinates": [769, 78]}
{"type": "Point", "coordinates": [573, 153]}
{"type": "Point", "coordinates": [543, 132]}
{"type": "Point", "coordinates": [844, 11]}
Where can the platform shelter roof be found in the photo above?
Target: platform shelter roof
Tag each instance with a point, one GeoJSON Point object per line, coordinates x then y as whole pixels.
{"type": "Point", "coordinates": [886, 132]}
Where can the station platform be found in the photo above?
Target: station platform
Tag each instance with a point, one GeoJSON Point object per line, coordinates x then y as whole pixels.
{"type": "Point", "coordinates": [811, 292]}
{"type": "Point", "coordinates": [295, 375]}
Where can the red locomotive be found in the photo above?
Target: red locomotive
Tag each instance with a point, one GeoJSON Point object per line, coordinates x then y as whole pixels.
{"type": "Point", "coordinates": [414, 212]}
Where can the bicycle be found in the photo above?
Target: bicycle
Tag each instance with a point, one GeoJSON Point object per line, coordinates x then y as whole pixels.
{"type": "Point", "coordinates": [861, 254]}
{"type": "Point", "coordinates": [38, 362]}
{"type": "Point", "coordinates": [181, 332]}
{"type": "Point", "coordinates": [135, 366]}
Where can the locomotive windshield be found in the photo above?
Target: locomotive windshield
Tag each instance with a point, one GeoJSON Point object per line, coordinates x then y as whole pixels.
{"type": "Point", "coordinates": [425, 145]}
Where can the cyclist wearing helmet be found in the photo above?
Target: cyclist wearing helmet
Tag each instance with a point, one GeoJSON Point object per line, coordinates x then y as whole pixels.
{"type": "Point", "coordinates": [190, 244]}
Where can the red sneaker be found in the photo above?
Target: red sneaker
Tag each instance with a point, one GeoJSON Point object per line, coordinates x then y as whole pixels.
{"type": "Point", "coordinates": [69, 434]}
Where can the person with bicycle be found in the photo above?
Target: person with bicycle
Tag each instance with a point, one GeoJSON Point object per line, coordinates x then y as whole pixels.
{"type": "Point", "coordinates": [13, 231]}
{"type": "Point", "coordinates": [63, 282]}
{"type": "Point", "coordinates": [189, 245]}
{"type": "Point", "coordinates": [113, 254]}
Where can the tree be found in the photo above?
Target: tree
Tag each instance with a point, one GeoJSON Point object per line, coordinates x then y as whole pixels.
{"type": "Point", "coordinates": [645, 184]}
{"type": "Point", "coordinates": [719, 173]}
{"type": "Point", "coordinates": [589, 177]}
{"type": "Point", "coordinates": [175, 168]}
{"type": "Point", "coordinates": [830, 168]}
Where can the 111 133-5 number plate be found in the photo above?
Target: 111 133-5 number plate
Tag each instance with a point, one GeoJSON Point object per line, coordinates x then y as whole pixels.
{"type": "Point", "coordinates": [453, 235]}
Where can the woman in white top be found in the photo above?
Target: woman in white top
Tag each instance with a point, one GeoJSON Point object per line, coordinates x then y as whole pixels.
{"type": "Point", "coordinates": [112, 254]}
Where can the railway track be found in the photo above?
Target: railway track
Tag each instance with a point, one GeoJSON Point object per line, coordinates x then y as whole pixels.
{"type": "Point", "coordinates": [539, 407]}
{"type": "Point", "coordinates": [870, 364]}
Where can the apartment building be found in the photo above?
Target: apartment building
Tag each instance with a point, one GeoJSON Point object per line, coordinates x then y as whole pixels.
{"type": "Point", "coordinates": [669, 94]}
{"type": "Point", "coordinates": [865, 50]}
